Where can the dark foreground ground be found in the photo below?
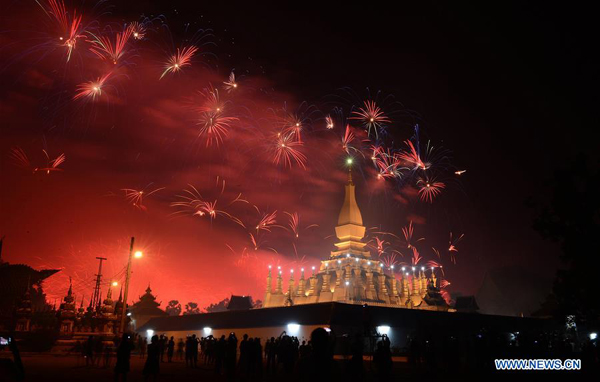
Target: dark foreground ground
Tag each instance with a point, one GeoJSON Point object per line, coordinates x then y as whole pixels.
{"type": "Point", "coordinates": [47, 367]}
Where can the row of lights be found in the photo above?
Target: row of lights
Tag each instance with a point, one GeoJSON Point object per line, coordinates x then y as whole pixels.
{"type": "Point", "coordinates": [292, 329]}
{"type": "Point", "coordinates": [368, 263]}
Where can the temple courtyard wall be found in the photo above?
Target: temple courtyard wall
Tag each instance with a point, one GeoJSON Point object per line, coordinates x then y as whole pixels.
{"type": "Point", "coordinates": [345, 321]}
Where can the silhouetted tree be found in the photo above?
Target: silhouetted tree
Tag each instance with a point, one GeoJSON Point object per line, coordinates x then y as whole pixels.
{"type": "Point", "coordinates": [191, 308]}
{"type": "Point", "coordinates": [173, 308]}
{"type": "Point", "coordinates": [220, 306]}
{"type": "Point", "coordinates": [570, 215]}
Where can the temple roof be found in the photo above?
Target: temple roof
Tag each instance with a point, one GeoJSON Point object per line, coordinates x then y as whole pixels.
{"type": "Point", "coordinates": [239, 303]}
{"type": "Point", "coordinates": [147, 305]}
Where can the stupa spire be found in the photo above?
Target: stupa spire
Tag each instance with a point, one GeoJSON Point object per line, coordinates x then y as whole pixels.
{"type": "Point", "coordinates": [350, 230]}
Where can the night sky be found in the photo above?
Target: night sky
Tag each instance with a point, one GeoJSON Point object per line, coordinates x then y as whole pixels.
{"type": "Point", "coordinates": [506, 92]}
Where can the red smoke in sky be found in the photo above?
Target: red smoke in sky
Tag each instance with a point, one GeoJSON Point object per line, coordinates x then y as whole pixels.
{"type": "Point", "coordinates": [142, 133]}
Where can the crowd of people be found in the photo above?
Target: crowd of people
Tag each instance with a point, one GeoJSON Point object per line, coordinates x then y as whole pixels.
{"type": "Point", "coordinates": [246, 359]}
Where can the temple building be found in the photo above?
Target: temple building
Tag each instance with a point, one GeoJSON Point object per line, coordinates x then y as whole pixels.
{"type": "Point", "coordinates": [350, 275]}
{"type": "Point", "coordinates": [145, 309]}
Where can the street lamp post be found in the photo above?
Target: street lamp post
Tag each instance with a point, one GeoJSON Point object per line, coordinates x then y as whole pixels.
{"type": "Point", "coordinates": [127, 276]}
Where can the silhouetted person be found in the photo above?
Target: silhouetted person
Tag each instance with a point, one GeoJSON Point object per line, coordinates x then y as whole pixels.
{"type": "Point", "coordinates": [230, 356]}
{"type": "Point", "coordinates": [123, 358]}
{"type": "Point", "coordinates": [188, 352]}
{"type": "Point", "coordinates": [383, 359]}
{"type": "Point", "coordinates": [152, 366]}
{"type": "Point", "coordinates": [355, 365]}
{"type": "Point", "coordinates": [320, 365]}
{"type": "Point", "coordinates": [98, 349]}
{"type": "Point", "coordinates": [162, 346]}
{"type": "Point", "coordinates": [142, 344]}
{"type": "Point", "coordinates": [108, 349]}
{"type": "Point", "coordinates": [194, 350]}
{"type": "Point", "coordinates": [170, 349]}
{"type": "Point", "coordinates": [220, 354]}
{"type": "Point", "coordinates": [270, 351]}
{"type": "Point", "coordinates": [12, 369]}
{"type": "Point", "coordinates": [89, 351]}
{"type": "Point", "coordinates": [244, 349]}
{"type": "Point", "coordinates": [256, 359]}
{"type": "Point", "coordinates": [180, 347]}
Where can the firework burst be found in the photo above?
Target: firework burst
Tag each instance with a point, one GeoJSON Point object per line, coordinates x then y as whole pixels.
{"type": "Point", "coordinates": [136, 197]}
{"type": "Point", "coordinates": [70, 27]}
{"type": "Point", "coordinates": [287, 151]}
{"type": "Point", "coordinates": [387, 163]}
{"type": "Point", "coordinates": [214, 126]}
{"type": "Point", "coordinates": [371, 117]}
{"type": "Point", "coordinates": [231, 84]}
{"type": "Point", "coordinates": [138, 30]}
{"type": "Point", "coordinates": [106, 49]}
{"type": "Point", "coordinates": [429, 190]}
{"type": "Point", "coordinates": [179, 60]}
{"type": "Point", "coordinates": [92, 89]}
{"type": "Point", "coordinates": [192, 203]}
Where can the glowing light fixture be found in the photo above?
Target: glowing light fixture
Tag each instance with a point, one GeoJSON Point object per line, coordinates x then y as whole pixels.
{"type": "Point", "coordinates": [384, 329]}
{"type": "Point", "coordinates": [293, 329]}
{"type": "Point", "coordinates": [138, 254]}
{"type": "Point", "coordinates": [207, 331]}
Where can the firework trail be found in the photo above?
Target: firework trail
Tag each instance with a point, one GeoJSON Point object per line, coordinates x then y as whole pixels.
{"type": "Point", "coordinates": [460, 172]}
{"type": "Point", "coordinates": [387, 164]}
{"type": "Point", "coordinates": [294, 224]}
{"type": "Point", "coordinates": [286, 151]}
{"type": "Point", "coordinates": [390, 260]}
{"type": "Point", "coordinates": [267, 221]}
{"type": "Point", "coordinates": [412, 156]}
{"type": "Point", "coordinates": [371, 116]}
{"type": "Point", "coordinates": [416, 257]}
{"type": "Point", "coordinates": [347, 139]}
{"type": "Point", "coordinates": [231, 84]}
{"type": "Point", "coordinates": [92, 89]}
{"type": "Point", "coordinates": [408, 232]}
{"type": "Point", "coordinates": [452, 250]}
{"type": "Point", "coordinates": [329, 123]}
{"type": "Point", "coordinates": [429, 190]}
{"type": "Point", "coordinates": [136, 197]}
{"type": "Point", "coordinates": [179, 60]}
{"type": "Point", "coordinates": [70, 27]}
{"type": "Point", "coordinates": [103, 46]}
{"type": "Point", "coordinates": [52, 163]}
{"type": "Point", "coordinates": [378, 245]}
{"type": "Point", "coordinates": [19, 159]}
{"type": "Point", "coordinates": [192, 203]}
